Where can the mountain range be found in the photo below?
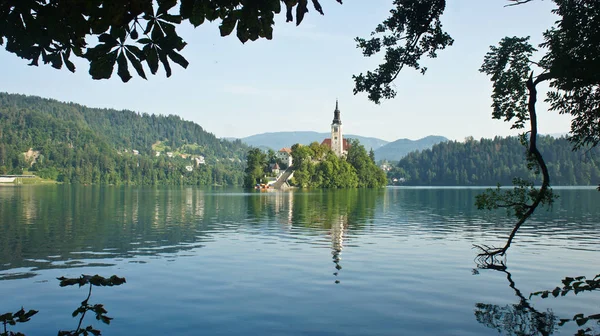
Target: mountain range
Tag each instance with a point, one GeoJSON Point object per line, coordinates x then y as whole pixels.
{"type": "Point", "coordinates": [384, 150]}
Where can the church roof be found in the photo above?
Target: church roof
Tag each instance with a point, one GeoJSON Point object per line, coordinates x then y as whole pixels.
{"type": "Point", "coordinates": [286, 150]}
{"type": "Point", "coordinates": [328, 143]}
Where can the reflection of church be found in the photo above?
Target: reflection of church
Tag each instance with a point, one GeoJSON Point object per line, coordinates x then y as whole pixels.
{"type": "Point", "coordinates": [337, 243]}
{"type": "Point", "coordinates": [337, 143]}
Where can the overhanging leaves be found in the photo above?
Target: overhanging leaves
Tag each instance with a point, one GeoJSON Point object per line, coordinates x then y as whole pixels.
{"type": "Point", "coordinates": [413, 30]}
{"type": "Point", "coordinates": [57, 30]}
{"type": "Point", "coordinates": [509, 67]}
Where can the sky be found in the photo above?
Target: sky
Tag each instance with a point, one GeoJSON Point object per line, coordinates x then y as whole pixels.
{"type": "Point", "coordinates": [291, 83]}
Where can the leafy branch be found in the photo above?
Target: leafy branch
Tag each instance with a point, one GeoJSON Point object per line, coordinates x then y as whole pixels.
{"type": "Point", "coordinates": [514, 100]}
{"type": "Point", "coordinates": [574, 285]}
{"type": "Point", "coordinates": [55, 31]}
{"type": "Point", "coordinates": [12, 319]}
{"type": "Point", "coordinates": [413, 30]}
{"type": "Point", "coordinates": [85, 307]}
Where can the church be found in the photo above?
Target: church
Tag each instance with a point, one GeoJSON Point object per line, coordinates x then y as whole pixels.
{"type": "Point", "coordinates": [337, 143]}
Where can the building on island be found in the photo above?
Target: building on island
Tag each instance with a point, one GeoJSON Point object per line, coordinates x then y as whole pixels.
{"type": "Point", "coordinates": [337, 143]}
{"type": "Point", "coordinates": [274, 167]}
{"type": "Point", "coordinates": [285, 155]}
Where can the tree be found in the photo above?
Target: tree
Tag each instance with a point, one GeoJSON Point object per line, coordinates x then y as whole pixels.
{"type": "Point", "coordinates": [129, 32]}
{"type": "Point", "coordinates": [570, 66]}
{"type": "Point", "coordinates": [255, 167]}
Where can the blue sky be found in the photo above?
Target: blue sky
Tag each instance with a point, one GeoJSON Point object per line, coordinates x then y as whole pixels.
{"type": "Point", "coordinates": [291, 83]}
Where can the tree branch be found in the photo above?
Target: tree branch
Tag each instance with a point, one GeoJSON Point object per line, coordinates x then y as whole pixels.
{"type": "Point", "coordinates": [517, 2]}
{"type": "Point", "coordinates": [537, 156]}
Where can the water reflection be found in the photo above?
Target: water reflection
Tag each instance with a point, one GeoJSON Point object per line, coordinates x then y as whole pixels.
{"type": "Point", "coordinates": [337, 244]}
{"type": "Point", "coordinates": [71, 226]}
{"type": "Point", "coordinates": [337, 213]}
{"type": "Point", "coordinates": [212, 258]}
{"type": "Point", "coordinates": [514, 319]}
{"type": "Point", "coordinates": [57, 227]}
{"type": "Point", "coordinates": [522, 318]}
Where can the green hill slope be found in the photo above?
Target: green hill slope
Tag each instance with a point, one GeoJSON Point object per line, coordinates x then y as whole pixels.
{"type": "Point", "coordinates": [490, 161]}
{"type": "Point", "coordinates": [77, 144]}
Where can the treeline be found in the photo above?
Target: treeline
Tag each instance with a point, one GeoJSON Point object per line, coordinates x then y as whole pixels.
{"type": "Point", "coordinates": [75, 144]}
{"type": "Point", "coordinates": [316, 166]}
{"type": "Point", "coordinates": [492, 161]}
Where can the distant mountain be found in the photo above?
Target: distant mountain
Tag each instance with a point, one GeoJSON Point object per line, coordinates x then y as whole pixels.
{"type": "Point", "coordinates": [398, 149]}
{"type": "Point", "coordinates": [278, 140]}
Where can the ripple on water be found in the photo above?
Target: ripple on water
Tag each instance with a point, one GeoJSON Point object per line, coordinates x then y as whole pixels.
{"type": "Point", "coordinates": [322, 263]}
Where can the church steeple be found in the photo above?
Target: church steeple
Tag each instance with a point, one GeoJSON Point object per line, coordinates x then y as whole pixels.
{"type": "Point", "coordinates": [337, 138]}
{"type": "Point", "coordinates": [336, 115]}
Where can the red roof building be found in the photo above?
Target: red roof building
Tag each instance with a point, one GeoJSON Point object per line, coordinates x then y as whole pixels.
{"type": "Point", "coordinates": [328, 143]}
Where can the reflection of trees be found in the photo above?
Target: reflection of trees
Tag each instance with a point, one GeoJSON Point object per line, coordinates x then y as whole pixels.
{"type": "Point", "coordinates": [334, 212]}
{"type": "Point", "coordinates": [522, 318]}
{"type": "Point", "coordinates": [514, 319]}
{"type": "Point", "coordinates": [68, 226]}
{"type": "Point", "coordinates": [105, 222]}
{"type": "Point", "coordinates": [317, 209]}
{"type": "Point", "coordinates": [461, 202]}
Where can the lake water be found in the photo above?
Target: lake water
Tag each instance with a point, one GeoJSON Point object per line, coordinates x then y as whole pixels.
{"type": "Point", "coordinates": [397, 261]}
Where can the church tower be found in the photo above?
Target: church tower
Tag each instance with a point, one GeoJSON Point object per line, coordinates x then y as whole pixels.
{"type": "Point", "coordinates": [337, 140]}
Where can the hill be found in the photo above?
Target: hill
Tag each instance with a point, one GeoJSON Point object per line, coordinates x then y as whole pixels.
{"type": "Point", "coordinates": [487, 162]}
{"type": "Point", "coordinates": [278, 140]}
{"type": "Point", "coordinates": [77, 144]}
{"type": "Point", "coordinates": [398, 149]}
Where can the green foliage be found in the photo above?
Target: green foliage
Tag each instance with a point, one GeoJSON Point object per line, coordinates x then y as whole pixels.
{"type": "Point", "coordinates": [518, 200]}
{"type": "Point", "coordinates": [12, 319]}
{"type": "Point", "coordinates": [256, 166]}
{"type": "Point", "coordinates": [316, 166]}
{"type": "Point", "coordinates": [97, 309]}
{"type": "Point", "coordinates": [509, 67]}
{"type": "Point", "coordinates": [570, 62]}
{"type": "Point", "coordinates": [368, 173]}
{"type": "Point", "coordinates": [129, 32]}
{"type": "Point", "coordinates": [488, 162]}
{"type": "Point", "coordinates": [414, 29]}
{"type": "Point", "coordinates": [573, 63]}
{"type": "Point", "coordinates": [94, 146]}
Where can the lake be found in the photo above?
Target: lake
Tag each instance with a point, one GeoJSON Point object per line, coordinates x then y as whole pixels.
{"type": "Point", "coordinates": [396, 261]}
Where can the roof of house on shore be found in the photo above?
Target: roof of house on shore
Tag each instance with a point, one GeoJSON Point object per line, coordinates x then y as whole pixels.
{"type": "Point", "coordinates": [328, 143]}
{"type": "Point", "coordinates": [286, 150]}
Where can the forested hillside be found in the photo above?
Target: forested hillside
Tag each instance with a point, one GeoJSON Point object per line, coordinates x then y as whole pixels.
{"type": "Point", "coordinates": [489, 161]}
{"type": "Point", "coordinates": [76, 144]}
